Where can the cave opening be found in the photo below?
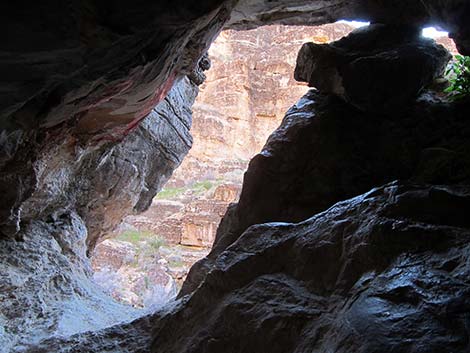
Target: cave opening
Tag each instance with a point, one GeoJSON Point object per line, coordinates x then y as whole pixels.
{"type": "Point", "coordinates": [244, 97]}
{"type": "Point", "coordinates": [350, 231]}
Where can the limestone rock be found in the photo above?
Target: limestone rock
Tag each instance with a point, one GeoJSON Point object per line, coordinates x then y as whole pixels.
{"type": "Point", "coordinates": [47, 288]}
{"type": "Point", "coordinates": [325, 151]}
{"type": "Point", "coordinates": [385, 271]}
{"type": "Point", "coordinates": [376, 68]}
{"type": "Point", "coordinates": [114, 254]}
{"type": "Point", "coordinates": [80, 195]}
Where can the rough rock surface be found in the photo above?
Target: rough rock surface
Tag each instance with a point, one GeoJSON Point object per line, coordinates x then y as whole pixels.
{"type": "Point", "coordinates": [83, 75]}
{"type": "Point", "coordinates": [131, 337]}
{"type": "Point", "coordinates": [245, 96]}
{"type": "Point", "coordinates": [46, 286]}
{"type": "Point", "coordinates": [451, 15]}
{"type": "Point", "coordinates": [376, 68]}
{"type": "Point", "coordinates": [247, 91]}
{"type": "Point", "coordinates": [386, 271]}
{"type": "Point", "coordinates": [144, 274]}
{"type": "Point", "coordinates": [82, 194]}
{"type": "Point", "coordinates": [189, 218]}
{"type": "Point", "coordinates": [326, 150]}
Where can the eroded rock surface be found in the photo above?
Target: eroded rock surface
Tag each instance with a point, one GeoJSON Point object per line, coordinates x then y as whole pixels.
{"type": "Point", "coordinates": [326, 150]}
{"type": "Point", "coordinates": [47, 288]}
{"type": "Point", "coordinates": [82, 194]}
{"type": "Point", "coordinates": [248, 89]}
{"type": "Point", "coordinates": [377, 68]}
{"type": "Point", "coordinates": [79, 77]}
{"type": "Point", "coordinates": [450, 15]}
{"type": "Point", "coordinates": [383, 272]}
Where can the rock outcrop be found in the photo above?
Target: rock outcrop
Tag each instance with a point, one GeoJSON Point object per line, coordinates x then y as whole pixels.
{"type": "Point", "coordinates": [81, 195]}
{"type": "Point", "coordinates": [325, 151]}
{"type": "Point", "coordinates": [382, 272]}
{"type": "Point", "coordinates": [377, 68]}
{"type": "Point", "coordinates": [244, 98]}
{"type": "Point", "coordinates": [247, 91]}
{"type": "Point", "coordinates": [450, 15]}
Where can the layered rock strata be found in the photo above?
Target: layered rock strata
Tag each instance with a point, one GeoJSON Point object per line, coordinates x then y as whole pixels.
{"type": "Point", "coordinates": [45, 271]}
{"type": "Point", "coordinates": [245, 96]}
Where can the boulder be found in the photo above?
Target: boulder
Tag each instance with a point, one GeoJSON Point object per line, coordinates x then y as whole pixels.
{"type": "Point", "coordinates": [378, 68]}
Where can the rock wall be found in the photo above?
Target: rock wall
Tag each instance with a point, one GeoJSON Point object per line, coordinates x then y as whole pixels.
{"type": "Point", "coordinates": [46, 271]}
{"type": "Point", "coordinates": [247, 91]}
{"type": "Point", "coordinates": [245, 95]}
{"type": "Point", "coordinates": [372, 273]}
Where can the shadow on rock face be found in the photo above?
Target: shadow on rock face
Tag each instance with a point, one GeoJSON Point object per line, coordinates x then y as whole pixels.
{"type": "Point", "coordinates": [325, 151]}
{"type": "Point", "coordinates": [367, 275]}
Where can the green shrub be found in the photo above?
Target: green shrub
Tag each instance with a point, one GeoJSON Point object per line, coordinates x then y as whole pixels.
{"type": "Point", "coordinates": [156, 243]}
{"type": "Point", "coordinates": [170, 193]}
{"type": "Point", "coordinates": [202, 186]}
{"type": "Point", "coordinates": [458, 74]}
{"type": "Point", "coordinates": [134, 236]}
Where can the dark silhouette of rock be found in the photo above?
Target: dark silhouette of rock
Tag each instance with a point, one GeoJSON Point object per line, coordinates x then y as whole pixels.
{"type": "Point", "coordinates": [376, 68]}
{"type": "Point", "coordinates": [382, 272]}
{"type": "Point", "coordinates": [326, 150]}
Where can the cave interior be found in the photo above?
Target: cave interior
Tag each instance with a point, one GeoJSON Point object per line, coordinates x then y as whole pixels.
{"type": "Point", "coordinates": [352, 231]}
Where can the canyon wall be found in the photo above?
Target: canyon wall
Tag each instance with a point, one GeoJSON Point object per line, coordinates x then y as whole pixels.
{"type": "Point", "coordinates": [246, 93]}
{"type": "Point", "coordinates": [244, 98]}
{"type": "Point", "coordinates": [49, 263]}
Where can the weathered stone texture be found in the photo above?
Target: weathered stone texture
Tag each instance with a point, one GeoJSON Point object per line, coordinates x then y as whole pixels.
{"type": "Point", "coordinates": [77, 79]}
{"type": "Point", "coordinates": [325, 151]}
{"type": "Point", "coordinates": [382, 272]}
{"type": "Point", "coordinates": [81, 195]}
{"type": "Point", "coordinates": [376, 68]}
{"type": "Point", "coordinates": [248, 89]}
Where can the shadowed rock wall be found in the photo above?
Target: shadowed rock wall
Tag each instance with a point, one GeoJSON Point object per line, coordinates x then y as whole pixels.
{"type": "Point", "coordinates": [45, 272]}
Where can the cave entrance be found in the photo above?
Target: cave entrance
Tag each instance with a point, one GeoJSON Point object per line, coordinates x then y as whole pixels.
{"type": "Point", "coordinates": [248, 89]}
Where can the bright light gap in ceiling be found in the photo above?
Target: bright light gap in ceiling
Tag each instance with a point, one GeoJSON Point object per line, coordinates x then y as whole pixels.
{"type": "Point", "coordinates": [430, 32]}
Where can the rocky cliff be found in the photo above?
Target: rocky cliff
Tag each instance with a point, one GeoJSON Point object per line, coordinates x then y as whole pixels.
{"type": "Point", "coordinates": [246, 92]}
{"type": "Point", "coordinates": [245, 95]}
